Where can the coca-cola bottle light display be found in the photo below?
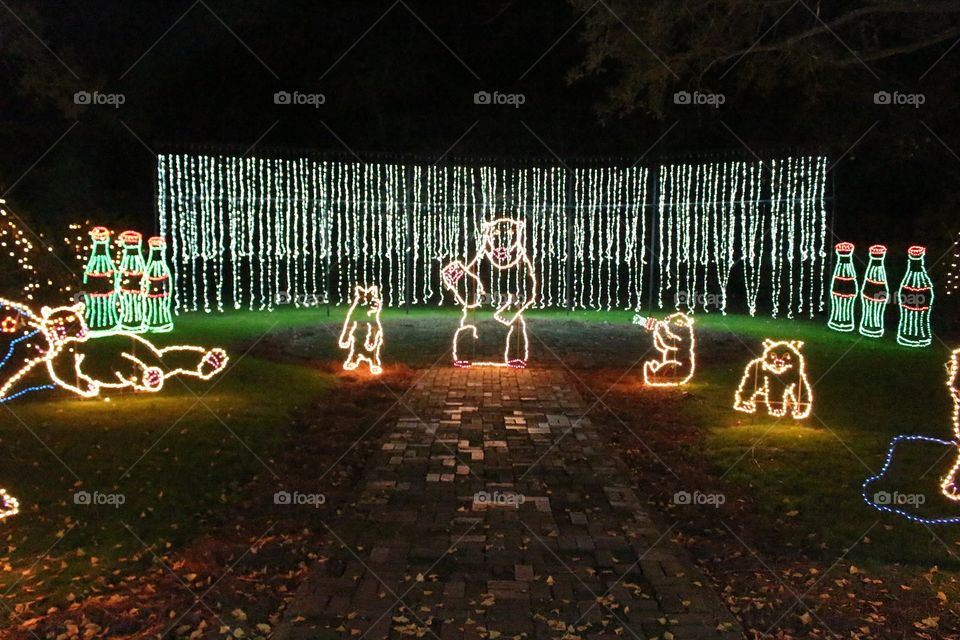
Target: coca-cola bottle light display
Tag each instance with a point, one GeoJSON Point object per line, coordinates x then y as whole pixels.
{"type": "Point", "coordinates": [156, 285]}
{"type": "Point", "coordinates": [843, 290]}
{"type": "Point", "coordinates": [100, 296]}
{"type": "Point", "coordinates": [130, 292]}
{"type": "Point", "coordinates": [874, 294]}
{"type": "Point", "coordinates": [915, 300]}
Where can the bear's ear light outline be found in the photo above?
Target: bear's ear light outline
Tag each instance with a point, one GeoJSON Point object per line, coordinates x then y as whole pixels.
{"type": "Point", "coordinates": [768, 344]}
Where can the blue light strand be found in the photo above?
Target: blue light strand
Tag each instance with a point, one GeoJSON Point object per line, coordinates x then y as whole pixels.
{"type": "Point", "coordinates": [886, 467]}
{"type": "Point", "coordinates": [13, 343]}
{"type": "Point", "coordinates": [26, 391]}
{"type": "Point", "coordinates": [6, 358]}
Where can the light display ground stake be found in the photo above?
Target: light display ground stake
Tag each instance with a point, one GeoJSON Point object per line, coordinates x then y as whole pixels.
{"type": "Point", "coordinates": [9, 506]}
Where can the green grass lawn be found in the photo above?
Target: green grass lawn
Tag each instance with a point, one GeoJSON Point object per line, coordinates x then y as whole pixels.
{"type": "Point", "coordinates": [179, 466]}
{"type": "Point", "coordinates": [804, 476]}
{"type": "Point", "coordinates": [178, 457]}
{"type": "Point", "coordinates": [866, 392]}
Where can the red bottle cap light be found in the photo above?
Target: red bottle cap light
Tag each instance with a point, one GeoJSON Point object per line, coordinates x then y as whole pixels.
{"type": "Point", "coordinates": [878, 250]}
{"type": "Point", "coordinates": [100, 233]}
{"type": "Point", "coordinates": [845, 247]}
{"type": "Point", "coordinates": [157, 241]}
{"type": "Point", "coordinates": [916, 251]}
{"type": "Point", "coordinates": [130, 237]}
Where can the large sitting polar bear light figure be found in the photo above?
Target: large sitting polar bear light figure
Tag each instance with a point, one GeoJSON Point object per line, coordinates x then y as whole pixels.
{"type": "Point", "coordinates": [502, 255]}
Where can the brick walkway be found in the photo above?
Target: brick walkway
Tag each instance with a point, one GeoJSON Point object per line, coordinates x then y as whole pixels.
{"type": "Point", "coordinates": [438, 544]}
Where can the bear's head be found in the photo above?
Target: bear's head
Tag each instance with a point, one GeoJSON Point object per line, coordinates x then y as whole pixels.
{"type": "Point", "coordinates": [677, 326]}
{"type": "Point", "coordinates": [503, 241]}
{"type": "Point", "coordinates": [64, 324]}
{"type": "Point", "coordinates": [680, 320]}
{"type": "Point", "coordinates": [781, 356]}
{"type": "Point", "coordinates": [368, 299]}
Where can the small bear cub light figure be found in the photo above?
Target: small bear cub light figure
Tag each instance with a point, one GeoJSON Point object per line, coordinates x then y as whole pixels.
{"type": "Point", "coordinates": [778, 379]}
{"type": "Point", "coordinates": [673, 338]}
{"type": "Point", "coordinates": [364, 310]}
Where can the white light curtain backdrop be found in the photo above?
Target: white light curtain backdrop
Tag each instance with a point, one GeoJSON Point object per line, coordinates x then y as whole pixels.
{"type": "Point", "coordinates": [260, 232]}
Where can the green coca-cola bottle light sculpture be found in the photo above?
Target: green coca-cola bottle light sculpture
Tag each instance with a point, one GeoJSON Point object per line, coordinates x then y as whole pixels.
{"type": "Point", "coordinates": [156, 284]}
{"type": "Point", "coordinates": [99, 285]}
{"type": "Point", "coordinates": [916, 301]}
{"type": "Point", "coordinates": [130, 282]}
{"type": "Point", "coordinates": [843, 290]}
{"type": "Point", "coordinates": [874, 294]}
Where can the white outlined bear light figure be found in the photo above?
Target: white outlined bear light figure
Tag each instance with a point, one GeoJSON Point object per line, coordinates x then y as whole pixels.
{"type": "Point", "coordinates": [674, 339]}
{"type": "Point", "coordinates": [777, 379]}
{"type": "Point", "coordinates": [502, 255]}
{"type": "Point", "coordinates": [365, 309]}
{"type": "Point", "coordinates": [58, 341]}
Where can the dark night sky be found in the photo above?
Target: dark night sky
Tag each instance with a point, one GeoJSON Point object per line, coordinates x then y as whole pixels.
{"type": "Point", "coordinates": [400, 78]}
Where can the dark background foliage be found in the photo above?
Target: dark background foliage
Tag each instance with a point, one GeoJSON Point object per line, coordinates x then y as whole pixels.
{"type": "Point", "coordinates": [399, 77]}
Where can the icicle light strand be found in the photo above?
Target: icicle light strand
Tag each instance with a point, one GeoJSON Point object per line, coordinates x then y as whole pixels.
{"type": "Point", "coordinates": [259, 233]}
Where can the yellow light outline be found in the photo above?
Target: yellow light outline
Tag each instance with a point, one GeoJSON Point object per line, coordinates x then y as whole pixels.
{"type": "Point", "coordinates": [347, 339]}
{"type": "Point", "coordinates": [791, 392]}
{"type": "Point", "coordinates": [667, 353]}
{"type": "Point", "coordinates": [58, 342]}
{"type": "Point", "coordinates": [949, 483]}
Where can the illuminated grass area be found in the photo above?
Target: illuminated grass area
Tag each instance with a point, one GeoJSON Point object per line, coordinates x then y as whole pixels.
{"type": "Point", "coordinates": [178, 457]}
{"type": "Point", "coordinates": [806, 478]}
{"type": "Point", "coordinates": [180, 468]}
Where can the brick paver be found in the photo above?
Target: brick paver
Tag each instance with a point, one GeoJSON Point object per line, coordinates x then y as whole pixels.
{"type": "Point", "coordinates": [494, 510]}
